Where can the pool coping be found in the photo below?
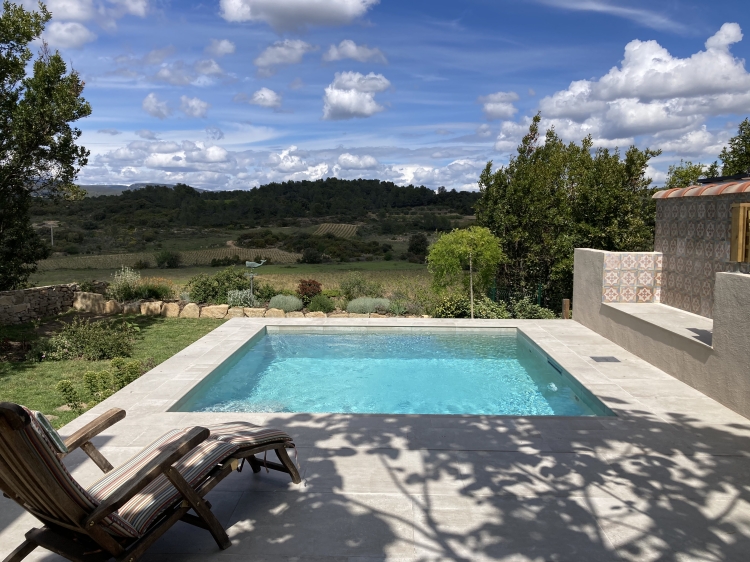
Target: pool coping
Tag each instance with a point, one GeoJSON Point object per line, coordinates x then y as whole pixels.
{"type": "Point", "coordinates": [159, 390]}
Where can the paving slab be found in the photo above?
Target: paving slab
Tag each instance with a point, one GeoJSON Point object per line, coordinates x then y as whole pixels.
{"type": "Point", "coordinates": [665, 479]}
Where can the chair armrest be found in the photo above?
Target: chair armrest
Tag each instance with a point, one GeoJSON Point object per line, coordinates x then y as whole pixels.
{"type": "Point", "coordinates": [171, 454]}
{"type": "Point", "coordinates": [94, 428]}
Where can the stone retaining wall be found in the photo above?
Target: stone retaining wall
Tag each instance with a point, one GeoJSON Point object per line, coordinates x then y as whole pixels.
{"type": "Point", "coordinates": [93, 302]}
{"type": "Point", "coordinates": [25, 305]}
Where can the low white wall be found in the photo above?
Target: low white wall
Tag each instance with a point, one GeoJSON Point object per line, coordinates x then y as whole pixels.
{"type": "Point", "coordinates": [721, 372]}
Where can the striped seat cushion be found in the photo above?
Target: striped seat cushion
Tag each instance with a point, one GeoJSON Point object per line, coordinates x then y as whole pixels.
{"type": "Point", "coordinates": [42, 445]}
{"type": "Point", "coordinates": [247, 435]}
{"type": "Point", "coordinates": [148, 504]}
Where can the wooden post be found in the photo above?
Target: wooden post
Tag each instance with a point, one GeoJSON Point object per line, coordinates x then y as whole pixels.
{"type": "Point", "coordinates": [566, 309]}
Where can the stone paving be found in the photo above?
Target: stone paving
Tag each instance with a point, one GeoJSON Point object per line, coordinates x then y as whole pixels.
{"type": "Point", "coordinates": [668, 479]}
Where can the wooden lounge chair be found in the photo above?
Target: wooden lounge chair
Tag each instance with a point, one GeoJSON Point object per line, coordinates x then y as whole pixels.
{"type": "Point", "coordinates": [121, 516]}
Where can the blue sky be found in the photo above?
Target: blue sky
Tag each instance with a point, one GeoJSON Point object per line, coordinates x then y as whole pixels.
{"type": "Point", "coordinates": [236, 93]}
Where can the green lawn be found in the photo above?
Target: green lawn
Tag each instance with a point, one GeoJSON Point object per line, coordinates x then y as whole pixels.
{"type": "Point", "coordinates": [33, 384]}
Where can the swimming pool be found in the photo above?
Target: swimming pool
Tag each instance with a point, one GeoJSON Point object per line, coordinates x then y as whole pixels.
{"type": "Point", "coordinates": [392, 371]}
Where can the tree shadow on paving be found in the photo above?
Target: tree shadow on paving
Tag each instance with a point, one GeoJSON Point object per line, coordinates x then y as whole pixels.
{"type": "Point", "coordinates": [423, 488]}
{"type": "Point", "coordinates": [636, 488]}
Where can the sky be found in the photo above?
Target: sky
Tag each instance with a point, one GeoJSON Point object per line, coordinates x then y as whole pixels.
{"type": "Point", "coordinates": [232, 94]}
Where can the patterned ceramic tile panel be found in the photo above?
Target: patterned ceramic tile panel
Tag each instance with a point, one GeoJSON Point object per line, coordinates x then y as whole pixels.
{"type": "Point", "coordinates": [632, 277]}
{"type": "Point", "coordinates": [693, 234]}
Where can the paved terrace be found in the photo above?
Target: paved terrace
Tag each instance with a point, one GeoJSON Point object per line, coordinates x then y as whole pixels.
{"type": "Point", "coordinates": [667, 480]}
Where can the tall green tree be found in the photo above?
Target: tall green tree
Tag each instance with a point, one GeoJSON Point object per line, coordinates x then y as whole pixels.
{"type": "Point", "coordinates": [471, 255]}
{"type": "Point", "coordinates": [553, 197]}
{"type": "Point", "coordinates": [736, 156]}
{"type": "Point", "coordinates": [38, 151]}
{"type": "Point", "coordinates": [686, 174]}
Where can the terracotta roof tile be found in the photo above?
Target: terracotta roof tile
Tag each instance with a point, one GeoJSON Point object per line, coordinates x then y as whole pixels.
{"type": "Point", "coordinates": [703, 190]}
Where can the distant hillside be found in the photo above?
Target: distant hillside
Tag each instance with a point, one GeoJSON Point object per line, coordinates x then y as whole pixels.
{"type": "Point", "coordinates": [182, 205]}
{"type": "Point", "coordinates": [97, 190]}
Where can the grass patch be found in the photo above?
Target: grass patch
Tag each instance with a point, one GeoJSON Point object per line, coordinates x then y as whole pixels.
{"type": "Point", "coordinates": [33, 384]}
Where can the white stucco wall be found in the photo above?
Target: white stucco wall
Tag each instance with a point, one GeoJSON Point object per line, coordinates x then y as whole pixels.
{"type": "Point", "coordinates": [721, 371]}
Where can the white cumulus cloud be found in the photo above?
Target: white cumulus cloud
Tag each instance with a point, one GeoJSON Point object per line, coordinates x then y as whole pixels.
{"type": "Point", "coordinates": [155, 107]}
{"type": "Point", "coordinates": [290, 15]}
{"type": "Point", "coordinates": [194, 107]}
{"type": "Point", "coordinates": [265, 97]}
{"type": "Point", "coordinates": [348, 49]}
{"type": "Point", "coordinates": [354, 162]}
{"type": "Point", "coordinates": [499, 105]}
{"type": "Point", "coordinates": [70, 34]}
{"type": "Point", "coordinates": [220, 47]}
{"type": "Point", "coordinates": [288, 51]}
{"type": "Point", "coordinates": [352, 94]}
{"type": "Point", "coordinates": [653, 91]}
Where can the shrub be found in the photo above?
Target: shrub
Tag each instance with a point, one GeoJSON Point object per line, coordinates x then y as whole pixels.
{"type": "Point", "coordinates": [321, 303]}
{"type": "Point", "coordinates": [156, 288]}
{"type": "Point", "coordinates": [287, 303]}
{"type": "Point", "coordinates": [459, 306]}
{"type": "Point", "coordinates": [265, 292]}
{"type": "Point", "coordinates": [357, 285]}
{"type": "Point", "coordinates": [311, 255]}
{"type": "Point", "coordinates": [227, 261]}
{"type": "Point", "coordinates": [141, 264]}
{"type": "Point", "coordinates": [366, 305]}
{"type": "Point", "coordinates": [526, 309]}
{"type": "Point", "coordinates": [185, 296]}
{"type": "Point", "coordinates": [399, 308]}
{"type": "Point", "coordinates": [124, 285]}
{"type": "Point", "coordinates": [70, 395]}
{"type": "Point", "coordinates": [167, 259]}
{"type": "Point", "coordinates": [308, 288]}
{"type": "Point", "coordinates": [418, 245]}
{"type": "Point", "coordinates": [86, 287]}
{"type": "Point", "coordinates": [100, 385]}
{"type": "Point", "coordinates": [242, 298]}
{"type": "Point", "coordinates": [214, 288]}
{"type": "Point", "coordinates": [93, 341]}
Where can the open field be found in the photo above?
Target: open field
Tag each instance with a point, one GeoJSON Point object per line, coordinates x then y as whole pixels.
{"type": "Point", "coordinates": [340, 230]}
{"type": "Point", "coordinates": [33, 384]}
{"type": "Point", "coordinates": [195, 257]}
{"type": "Point", "coordinates": [281, 276]}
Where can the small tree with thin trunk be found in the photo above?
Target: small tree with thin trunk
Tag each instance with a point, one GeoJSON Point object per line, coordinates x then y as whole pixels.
{"type": "Point", "coordinates": [469, 255]}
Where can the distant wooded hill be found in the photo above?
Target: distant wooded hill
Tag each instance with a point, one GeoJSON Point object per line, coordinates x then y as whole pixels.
{"type": "Point", "coordinates": [182, 205]}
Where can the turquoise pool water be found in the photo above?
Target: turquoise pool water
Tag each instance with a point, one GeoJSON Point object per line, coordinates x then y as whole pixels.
{"type": "Point", "coordinates": [392, 372]}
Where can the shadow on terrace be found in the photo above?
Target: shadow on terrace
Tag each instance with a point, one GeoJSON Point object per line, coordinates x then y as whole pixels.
{"type": "Point", "coordinates": [488, 488]}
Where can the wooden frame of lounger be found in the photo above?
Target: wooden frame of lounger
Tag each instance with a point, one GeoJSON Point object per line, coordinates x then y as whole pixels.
{"type": "Point", "coordinates": [89, 540]}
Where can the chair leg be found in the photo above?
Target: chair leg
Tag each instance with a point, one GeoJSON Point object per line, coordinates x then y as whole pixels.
{"type": "Point", "coordinates": [199, 506]}
{"type": "Point", "coordinates": [254, 464]}
{"type": "Point", "coordinates": [23, 550]}
{"type": "Point", "coordinates": [288, 464]}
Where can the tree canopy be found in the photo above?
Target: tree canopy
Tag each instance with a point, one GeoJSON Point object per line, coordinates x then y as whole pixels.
{"type": "Point", "coordinates": [735, 157]}
{"type": "Point", "coordinates": [470, 255]}
{"type": "Point", "coordinates": [38, 150]}
{"type": "Point", "coordinates": [553, 197]}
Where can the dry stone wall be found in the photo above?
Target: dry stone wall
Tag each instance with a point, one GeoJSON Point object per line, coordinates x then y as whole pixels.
{"type": "Point", "coordinates": [17, 307]}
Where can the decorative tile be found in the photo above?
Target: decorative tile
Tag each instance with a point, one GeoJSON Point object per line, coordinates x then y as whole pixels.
{"type": "Point", "coordinates": [657, 278]}
{"type": "Point", "coordinates": [700, 230]}
{"type": "Point", "coordinates": [646, 278]}
{"type": "Point", "coordinates": [708, 249]}
{"type": "Point", "coordinates": [659, 261]}
{"type": "Point", "coordinates": [628, 278]}
{"type": "Point", "coordinates": [628, 261]}
{"type": "Point", "coordinates": [611, 278]}
{"type": "Point", "coordinates": [701, 210]}
{"type": "Point", "coordinates": [696, 305]}
{"type": "Point", "coordinates": [711, 210]}
{"type": "Point", "coordinates": [646, 261]}
{"type": "Point", "coordinates": [690, 247]}
{"type": "Point", "coordinates": [674, 229]}
{"type": "Point", "coordinates": [645, 294]}
{"type": "Point", "coordinates": [681, 247]}
{"type": "Point", "coordinates": [627, 294]}
{"type": "Point", "coordinates": [710, 230]}
{"type": "Point", "coordinates": [707, 289]}
{"type": "Point", "coordinates": [610, 294]}
{"type": "Point", "coordinates": [680, 265]}
{"type": "Point", "coordinates": [657, 294]}
{"type": "Point", "coordinates": [612, 261]}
